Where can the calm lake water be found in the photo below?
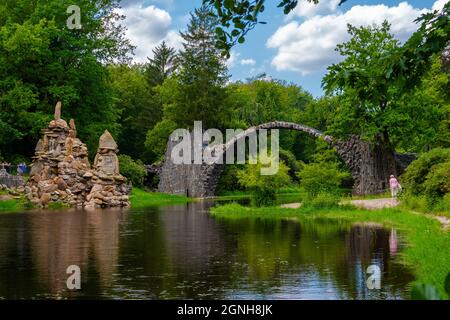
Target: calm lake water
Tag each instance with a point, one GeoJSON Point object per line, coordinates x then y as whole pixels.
{"type": "Point", "coordinates": [182, 252]}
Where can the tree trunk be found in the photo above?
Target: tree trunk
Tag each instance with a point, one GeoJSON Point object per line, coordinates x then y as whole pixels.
{"type": "Point", "coordinates": [370, 166]}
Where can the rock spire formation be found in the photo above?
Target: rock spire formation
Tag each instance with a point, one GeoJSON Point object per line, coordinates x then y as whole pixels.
{"type": "Point", "coordinates": [61, 171]}
{"type": "Point", "coordinates": [109, 186]}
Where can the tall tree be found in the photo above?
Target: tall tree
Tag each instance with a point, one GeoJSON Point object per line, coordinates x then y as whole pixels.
{"type": "Point", "coordinates": [376, 106]}
{"type": "Point", "coordinates": [162, 65]}
{"type": "Point", "coordinates": [140, 111]}
{"type": "Point", "coordinates": [43, 61]}
{"type": "Point", "coordinates": [198, 92]}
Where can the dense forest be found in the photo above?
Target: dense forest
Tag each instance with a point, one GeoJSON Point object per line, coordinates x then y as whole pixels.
{"type": "Point", "coordinates": [387, 92]}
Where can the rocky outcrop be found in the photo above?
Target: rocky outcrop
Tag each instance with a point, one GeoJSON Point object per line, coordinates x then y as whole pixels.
{"type": "Point", "coordinates": [61, 171]}
{"type": "Point", "coordinates": [109, 187]}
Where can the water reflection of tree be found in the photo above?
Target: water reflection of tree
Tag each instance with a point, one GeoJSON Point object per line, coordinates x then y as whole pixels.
{"type": "Point", "coordinates": [317, 252]}
{"type": "Point", "coordinates": [182, 250]}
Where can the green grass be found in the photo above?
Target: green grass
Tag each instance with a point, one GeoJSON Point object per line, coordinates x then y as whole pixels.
{"type": "Point", "coordinates": [367, 197]}
{"type": "Point", "coordinates": [140, 199]}
{"type": "Point", "coordinates": [14, 205]}
{"type": "Point", "coordinates": [284, 194]}
{"type": "Point", "coordinates": [9, 205]}
{"type": "Point", "coordinates": [428, 246]}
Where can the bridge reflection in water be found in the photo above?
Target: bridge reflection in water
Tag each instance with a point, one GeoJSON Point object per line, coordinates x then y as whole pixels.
{"type": "Point", "coordinates": [182, 252]}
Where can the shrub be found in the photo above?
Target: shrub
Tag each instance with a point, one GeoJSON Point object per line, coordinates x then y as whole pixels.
{"type": "Point", "coordinates": [264, 197]}
{"type": "Point", "coordinates": [156, 140]}
{"type": "Point", "coordinates": [427, 181]}
{"type": "Point", "coordinates": [413, 180]}
{"type": "Point", "coordinates": [443, 205]}
{"type": "Point", "coordinates": [229, 180]}
{"type": "Point", "coordinates": [324, 177]}
{"type": "Point", "coordinates": [323, 200]}
{"type": "Point", "coordinates": [294, 165]}
{"type": "Point", "coordinates": [264, 186]}
{"type": "Point", "coordinates": [134, 171]}
{"type": "Point", "coordinates": [437, 181]}
{"type": "Point", "coordinates": [416, 203]}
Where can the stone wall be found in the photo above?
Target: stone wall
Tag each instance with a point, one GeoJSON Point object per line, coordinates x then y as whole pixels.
{"type": "Point", "coordinates": [10, 181]}
{"type": "Point", "coordinates": [196, 180]}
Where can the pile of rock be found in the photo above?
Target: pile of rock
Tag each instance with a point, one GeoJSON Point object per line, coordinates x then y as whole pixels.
{"type": "Point", "coordinates": [109, 187]}
{"type": "Point", "coordinates": [61, 171]}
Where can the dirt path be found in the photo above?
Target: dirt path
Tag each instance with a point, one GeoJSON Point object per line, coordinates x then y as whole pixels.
{"type": "Point", "coordinates": [373, 204]}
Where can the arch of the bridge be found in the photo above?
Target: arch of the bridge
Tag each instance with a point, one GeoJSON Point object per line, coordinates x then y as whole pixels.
{"type": "Point", "coordinates": [223, 148]}
{"type": "Point", "coordinates": [368, 165]}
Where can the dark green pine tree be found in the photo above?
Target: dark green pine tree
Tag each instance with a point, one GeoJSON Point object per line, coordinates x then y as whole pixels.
{"type": "Point", "coordinates": [162, 65]}
{"type": "Point", "coordinates": [200, 59]}
{"type": "Point", "coordinates": [203, 73]}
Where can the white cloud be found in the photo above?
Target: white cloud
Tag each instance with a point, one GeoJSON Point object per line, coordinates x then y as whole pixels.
{"type": "Point", "coordinates": [309, 9]}
{"type": "Point", "coordinates": [247, 62]}
{"type": "Point", "coordinates": [235, 58]}
{"type": "Point", "coordinates": [439, 4]}
{"type": "Point", "coordinates": [147, 27]}
{"type": "Point", "coordinates": [309, 46]}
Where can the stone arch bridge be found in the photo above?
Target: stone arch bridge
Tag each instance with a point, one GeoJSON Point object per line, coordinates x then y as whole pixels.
{"type": "Point", "coordinates": [370, 166]}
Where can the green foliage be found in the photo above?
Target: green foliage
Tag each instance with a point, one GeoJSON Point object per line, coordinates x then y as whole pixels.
{"type": "Point", "coordinates": [139, 110]}
{"type": "Point", "coordinates": [229, 180]}
{"type": "Point", "coordinates": [376, 105]}
{"type": "Point", "coordinates": [369, 94]}
{"type": "Point", "coordinates": [292, 163]}
{"type": "Point", "coordinates": [416, 174]}
{"type": "Point", "coordinates": [197, 92]}
{"type": "Point", "coordinates": [237, 18]}
{"type": "Point", "coordinates": [264, 197]}
{"type": "Point", "coordinates": [425, 292]}
{"type": "Point", "coordinates": [264, 101]}
{"type": "Point", "coordinates": [142, 199]}
{"type": "Point", "coordinates": [134, 171]}
{"type": "Point", "coordinates": [437, 182]}
{"type": "Point", "coordinates": [42, 61]}
{"type": "Point", "coordinates": [429, 292]}
{"type": "Point", "coordinates": [323, 200]}
{"type": "Point", "coordinates": [162, 65]}
{"type": "Point", "coordinates": [413, 59]}
{"type": "Point", "coordinates": [317, 178]}
{"type": "Point", "coordinates": [57, 206]}
{"type": "Point", "coordinates": [156, 140]}
{"type": "Point", "coordinates": [264, 186]}
{"type": "Point", "coordinates": [426, 252]}
{"type": "Point", "coordinates": [426, 181]}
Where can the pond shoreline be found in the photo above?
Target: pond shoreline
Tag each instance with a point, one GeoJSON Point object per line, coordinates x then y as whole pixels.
{"type": "Point", "coordinates": [427, 242]}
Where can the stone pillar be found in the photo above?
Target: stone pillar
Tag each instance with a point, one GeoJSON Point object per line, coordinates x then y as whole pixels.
{"type": "Point", "coordinates": [109, 187]}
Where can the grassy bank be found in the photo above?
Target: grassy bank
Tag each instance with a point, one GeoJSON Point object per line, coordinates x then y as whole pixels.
{"type": "Point", "coordinates": [10, 203]}
{"type": "Point", "coordinates": [428, 245]}
{"type": "Point", "coordinates": [283, 194]}
{"type": "Point", "coordinates": [140, 199]}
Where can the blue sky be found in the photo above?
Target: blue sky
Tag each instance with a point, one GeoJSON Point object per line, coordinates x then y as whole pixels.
{"type": "Point", "coordinates": [296, 48]}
